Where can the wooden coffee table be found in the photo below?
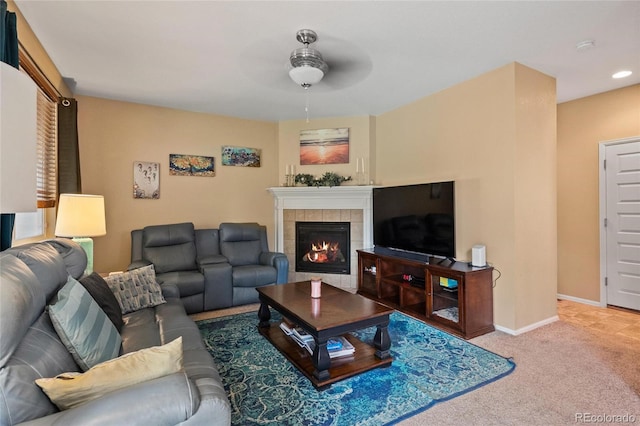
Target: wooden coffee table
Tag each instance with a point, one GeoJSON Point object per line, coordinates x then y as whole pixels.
{"type": "Point", "coordinates": [336, 313]}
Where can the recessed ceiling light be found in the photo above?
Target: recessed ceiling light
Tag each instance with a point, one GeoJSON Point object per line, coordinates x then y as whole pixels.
{"type": "Point", "coordinates": [621, 74]}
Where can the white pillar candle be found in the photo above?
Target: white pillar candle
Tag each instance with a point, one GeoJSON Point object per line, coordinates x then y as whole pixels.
{"type": "Point", "coordinates": [316, 285]}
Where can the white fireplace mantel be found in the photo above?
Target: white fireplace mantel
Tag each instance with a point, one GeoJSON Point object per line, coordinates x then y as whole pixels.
{"type": "Point", "coordinates": [323, 197]}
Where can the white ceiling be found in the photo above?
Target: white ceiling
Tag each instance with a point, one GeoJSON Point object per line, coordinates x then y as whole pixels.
{"type": "Point", "coordinates": [230, 57]}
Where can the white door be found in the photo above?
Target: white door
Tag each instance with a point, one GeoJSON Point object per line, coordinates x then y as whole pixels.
{"type": "Point", "coordinates": [622, 230]}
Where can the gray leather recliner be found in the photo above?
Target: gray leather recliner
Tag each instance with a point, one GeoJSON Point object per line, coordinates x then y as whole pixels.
{"type": "Point", "coordinates": [212, 268]}
{"type": "Point", "coordinates": [252, 264]}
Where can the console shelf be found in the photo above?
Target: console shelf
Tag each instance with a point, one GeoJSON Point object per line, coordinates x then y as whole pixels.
{"type": "Point", "coordinates": [453, 296]}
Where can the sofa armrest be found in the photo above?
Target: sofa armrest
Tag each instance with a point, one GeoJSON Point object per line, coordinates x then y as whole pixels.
{"type": "Point", "coordinates": [278, 261]}
{"type": "Point", "coordinates": [267, 258]}
{"type": "Point", "coordinates": [214, 407]}
{"type": "Point", "coordinates": [211, 259]}
{"type": "Point", "coordinates": [138, 264]}
{"type": "Point", "coordinates": [170, 291]}
{"type": "Point", "coordinates": [218, 286]}
{"type": "Point", "coordinates": [171, 399]}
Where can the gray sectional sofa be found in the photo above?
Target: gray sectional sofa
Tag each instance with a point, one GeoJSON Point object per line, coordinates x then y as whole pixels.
{"type": "Point", "coordinates": [30, 348]}
{"type": "Point", "coordinates": [213, 268]}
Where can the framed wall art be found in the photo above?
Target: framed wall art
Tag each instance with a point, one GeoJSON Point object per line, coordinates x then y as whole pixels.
{"type": "Point", "coordinates": [191, 165]}
{"type": "Point", "coordinates": [240, 156]}
{"type": "Point", "coordinates": [324, 146]}
{"type": "Point", "coordinates": [146, 180]}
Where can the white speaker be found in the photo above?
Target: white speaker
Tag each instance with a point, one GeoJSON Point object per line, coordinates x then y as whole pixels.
{"type": "Point", "coordinates": [479, 255]}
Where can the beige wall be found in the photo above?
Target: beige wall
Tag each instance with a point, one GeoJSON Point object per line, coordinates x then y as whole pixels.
{"type": "Point", "coordinates": [479, 133]}
{"type": "Point", "coordinates": [115, 134]}
{"type": "Point", "coordinates": [535, 207]}
{"type": "Point", "coordinates": [582, 125]}
{"type": "Point", "coordinates": [490, 134]}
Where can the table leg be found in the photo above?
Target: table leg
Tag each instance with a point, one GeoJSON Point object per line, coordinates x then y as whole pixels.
{"type": "Point", "coordinates": [382, 341]}
{"type": "Point", "coordinates": [321, 360]}
{"type": "Point", "coordinates": [264, 314]}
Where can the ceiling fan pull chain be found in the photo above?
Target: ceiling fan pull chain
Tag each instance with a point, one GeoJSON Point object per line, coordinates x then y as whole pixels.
{"type": "Point", "coordinates": [306, 103]}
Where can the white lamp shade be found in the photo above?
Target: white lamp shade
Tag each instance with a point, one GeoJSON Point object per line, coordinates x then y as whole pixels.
{"type": "Point", "coordinates": [306, 75]}
{"type": "Point", "coordinates": [18, 141]}
{"type": "Point", "coordinates": [81, 215]}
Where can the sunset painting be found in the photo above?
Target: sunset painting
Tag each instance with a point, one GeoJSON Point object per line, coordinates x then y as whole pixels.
{"type": "Point", "coordinates": [324, 146]}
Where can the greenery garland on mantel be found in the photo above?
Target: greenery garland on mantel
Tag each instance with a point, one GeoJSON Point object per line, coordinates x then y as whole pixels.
{"type": "Point", "coordinates": [327, 179]}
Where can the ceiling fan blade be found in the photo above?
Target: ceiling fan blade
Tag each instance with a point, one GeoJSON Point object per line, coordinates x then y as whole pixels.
{"type": "Point", "coordinates": [347, 72]}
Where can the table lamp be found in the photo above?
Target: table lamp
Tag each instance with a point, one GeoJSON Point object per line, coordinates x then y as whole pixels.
{"type": "Point", "coordinates": [81, 216]}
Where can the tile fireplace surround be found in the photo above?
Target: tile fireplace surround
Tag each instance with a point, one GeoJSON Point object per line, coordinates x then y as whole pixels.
{"type": "Point", "coordinates": [324, 204]}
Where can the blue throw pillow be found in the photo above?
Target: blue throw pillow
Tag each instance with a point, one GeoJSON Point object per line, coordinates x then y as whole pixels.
{"type": "Point", "coordinates": [83, 327]}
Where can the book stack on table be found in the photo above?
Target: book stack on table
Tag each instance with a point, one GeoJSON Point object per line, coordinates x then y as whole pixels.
{"type": "Point", "coordinates": [336, 346]}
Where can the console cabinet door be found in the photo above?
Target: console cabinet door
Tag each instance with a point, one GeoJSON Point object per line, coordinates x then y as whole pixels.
{"type": "Point", "coordinates": [445, 293]}
{"type": "Point", "coordinates": [368, 275]}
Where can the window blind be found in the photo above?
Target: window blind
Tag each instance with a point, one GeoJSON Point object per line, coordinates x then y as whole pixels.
{"type": "Point", "coordinates": [46, 174]}
{"type": "Point", "coordinates": [46, 151]}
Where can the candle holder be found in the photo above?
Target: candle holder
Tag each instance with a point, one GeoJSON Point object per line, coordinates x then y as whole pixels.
{"type": "Point", "coordinates": [361, 175]}
{"type": "Point", "coordinates": [290, 175]}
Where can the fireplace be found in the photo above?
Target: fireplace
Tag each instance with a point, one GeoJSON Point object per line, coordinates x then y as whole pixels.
{"type": "Point", "coordinates": [346, 203]}
{"type": "Point", "coordinates": [323, 247]}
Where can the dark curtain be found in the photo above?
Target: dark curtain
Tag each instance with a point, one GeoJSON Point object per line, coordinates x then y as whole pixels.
{"type": "Point", "coordinates": [69, 181]}
{"type": "Point", "coordinates": [9, 55]}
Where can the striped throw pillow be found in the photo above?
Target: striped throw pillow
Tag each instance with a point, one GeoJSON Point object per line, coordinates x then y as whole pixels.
{"type": "Point", "coordinates": [84, 328]}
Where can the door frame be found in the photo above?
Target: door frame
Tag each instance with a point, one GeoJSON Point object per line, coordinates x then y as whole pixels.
{"type": "Point", "coordinates": [602, 196]}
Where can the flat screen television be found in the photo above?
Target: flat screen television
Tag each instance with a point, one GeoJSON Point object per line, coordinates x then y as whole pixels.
{"type": "Point", "coordinates": [416, 218]}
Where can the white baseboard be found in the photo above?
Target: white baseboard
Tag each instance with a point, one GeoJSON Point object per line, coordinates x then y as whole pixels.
{"type": "Point", "coordinates": [548, 320]}
{"type": "Point", "coordinates": [527, 328]}
{"type": "Point", "coordinates": [579, 300]}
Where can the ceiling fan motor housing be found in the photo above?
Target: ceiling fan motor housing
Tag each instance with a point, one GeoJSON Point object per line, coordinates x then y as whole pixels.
{"type": "Point", "coordinates": [308, 57]}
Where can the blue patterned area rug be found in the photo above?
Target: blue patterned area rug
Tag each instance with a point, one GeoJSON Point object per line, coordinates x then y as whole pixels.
{"type": "Point", "coordinates": [429, 366]}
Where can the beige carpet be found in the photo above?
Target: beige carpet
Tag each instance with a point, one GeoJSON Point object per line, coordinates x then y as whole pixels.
{"type": "Point", "coordinates": [563, 370]}
{"type": "Point", "coordinates": [578, 366]}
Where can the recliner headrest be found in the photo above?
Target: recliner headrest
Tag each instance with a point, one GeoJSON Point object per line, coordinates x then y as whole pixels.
{"type": "Point", "coordinates": [234, 232]}
{"type": "Point", "coordinates": [52, 261]}
{"type": "Point", "coordinates": [168, 235]}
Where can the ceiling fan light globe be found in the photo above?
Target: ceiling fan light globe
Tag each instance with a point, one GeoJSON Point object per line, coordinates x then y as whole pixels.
{"type": "Point", "coordinates": [306, 75]}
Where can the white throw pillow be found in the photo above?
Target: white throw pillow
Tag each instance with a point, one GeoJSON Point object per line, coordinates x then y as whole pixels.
{"type": "Point", "coordinates": [68, 390]}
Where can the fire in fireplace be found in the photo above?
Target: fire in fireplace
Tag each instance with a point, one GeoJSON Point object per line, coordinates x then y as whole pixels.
{"type": "Point", "coordinates": [323, 247]}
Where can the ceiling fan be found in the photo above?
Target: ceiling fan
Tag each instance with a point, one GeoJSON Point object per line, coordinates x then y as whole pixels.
{"type": "Point", "coordinates": [346, 63]}
{"type": "Point", "coordinates": [307, 64]}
